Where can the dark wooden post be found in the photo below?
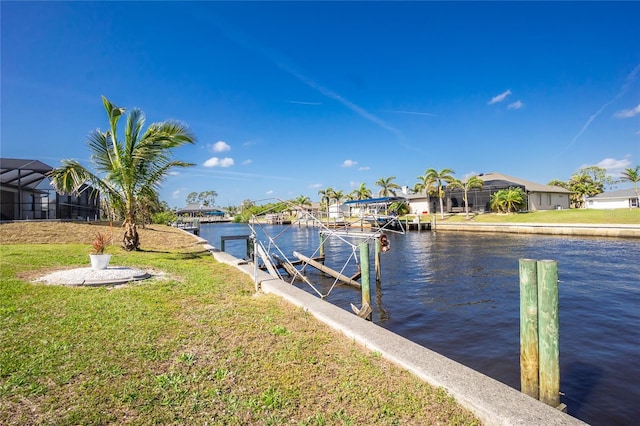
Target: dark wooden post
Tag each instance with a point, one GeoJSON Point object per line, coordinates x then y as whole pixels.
{"type": "Point", "coordinates": [529, 328]}
{"type": "Point", "coordinates": [548, 332]}
{"type": "Point", "coordinates": [377, 259]}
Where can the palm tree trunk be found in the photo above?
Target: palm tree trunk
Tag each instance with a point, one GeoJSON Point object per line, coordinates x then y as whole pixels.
{"type": "Point", "coordinates": [131, 239]}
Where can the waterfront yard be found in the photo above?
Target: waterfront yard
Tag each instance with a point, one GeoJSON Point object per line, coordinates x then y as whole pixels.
{"type": "Point", "coordinates": [193, 345]}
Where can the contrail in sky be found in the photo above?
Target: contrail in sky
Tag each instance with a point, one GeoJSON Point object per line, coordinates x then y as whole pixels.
{"type": "Point", "coordinates": [631, 78]}
{"type": "Point", "coordinates": [251, 44]}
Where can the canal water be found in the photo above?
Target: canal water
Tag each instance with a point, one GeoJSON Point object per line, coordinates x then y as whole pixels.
{"type": "Point", "coordinates": [457, 293]}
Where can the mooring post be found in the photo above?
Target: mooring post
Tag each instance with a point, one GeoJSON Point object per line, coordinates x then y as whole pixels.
{"type": "Point", "coordinates": [377, 259]}
{"type": "Point", "coordinates": [255, 264]}
{"type": "Point", "coordinates": [548, 332]}
{"type": "Point", "coordinates": [364, 278]}
{"type": "Point", "coordinates": [322, 245]}
{"type": "Point", "coordinates": [529, 383]}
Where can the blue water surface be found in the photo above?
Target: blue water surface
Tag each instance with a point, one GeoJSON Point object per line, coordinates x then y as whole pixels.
{"type": "Point", "coordinates": [457, 293]}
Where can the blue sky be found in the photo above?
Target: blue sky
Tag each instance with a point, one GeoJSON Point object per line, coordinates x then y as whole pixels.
{"type": "Point", "coordinates": [288, 98]}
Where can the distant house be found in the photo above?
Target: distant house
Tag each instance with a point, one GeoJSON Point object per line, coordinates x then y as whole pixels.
{"type": "Point", "coordinates": [539, 197]}
{"type": "Point", "coordinates": [26, 194]}
{"type": "Point", "coordinates": [196, 210]}
{"type": "Point", "coordinates": [620, 199]}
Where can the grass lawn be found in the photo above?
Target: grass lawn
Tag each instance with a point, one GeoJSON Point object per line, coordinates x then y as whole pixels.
{"type": "Point", "coordinates": [191, 346]}
{"type": "Point", "coordinates": [587, 216]}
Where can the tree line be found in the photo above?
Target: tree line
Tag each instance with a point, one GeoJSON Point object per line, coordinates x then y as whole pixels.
{"type": "Point", "coordinates": [128, 171]}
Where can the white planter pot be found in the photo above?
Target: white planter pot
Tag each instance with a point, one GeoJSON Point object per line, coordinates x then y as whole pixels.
{"type": "Point", "coordinates": [99, 261]}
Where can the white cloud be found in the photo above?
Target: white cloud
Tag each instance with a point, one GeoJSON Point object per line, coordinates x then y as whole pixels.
{"type": "Point", "coordinates": [175, 194]}
{"type": "Point", "coordinates": [627, 113]}
{"type": "Point", "coordinates": [499, 98]}
{"type": "Point", "coordinates": [612, 166]}
{"type": "Point", "coordinates": [315, 186]}
{"type": "Point", "coordinates": [515, 105]}
{"type": "Point", "coordinates": [270, 192]}
{"type": "Point", "coordinates": [220, 146]}
{"type": "Point", "coordinates": [246, 162]}
{"type": "Point", "coordinates": [349, 163]}
{"type": "Point", "coordinates": [218, 162]}
{"type": "Point", "coordinates": [364, 168]}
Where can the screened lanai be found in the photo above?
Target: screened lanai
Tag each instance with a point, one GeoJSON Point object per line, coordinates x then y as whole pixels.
{"type": "Point", "coordinates": [26, 194]}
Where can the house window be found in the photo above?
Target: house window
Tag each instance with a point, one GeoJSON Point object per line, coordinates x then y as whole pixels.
{"type": "Point", "coordinates": [633, 202]}
{"type": "Point", "coordinates": [549, 199]}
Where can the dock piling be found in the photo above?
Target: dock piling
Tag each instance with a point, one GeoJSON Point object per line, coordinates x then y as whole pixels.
{"type": "Point", "coordinates": [364, 280]}
{"type": "Point", "coordinates": [529, 328]}
{"type": "Point", "coordinates": [548, 333]}
{"type": "Point", "coordinates": [539, 331]}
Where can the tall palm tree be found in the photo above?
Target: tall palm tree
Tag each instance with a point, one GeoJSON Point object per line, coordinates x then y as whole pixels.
{"type": "Point", "coordinates": [361, 193]}
{"type": "Point", "coordinates": [423, 185]}
{"type": "Point", "coordinates": [326, 195]}
{"type": "Point", "coordinates": [434, 182]}
{"type": "Point", "coordinates": [126, 170]}
{"type": "Point", "coordinates": [474, 182]}
{"type": "Point", "coordinates": [632, 175]}
{"type": "Point", "coordinates": [387, 186]}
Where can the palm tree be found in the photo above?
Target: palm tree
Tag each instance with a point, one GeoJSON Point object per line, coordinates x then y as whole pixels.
{"type": "Point", "coordinates": [434, 179]}
{"type": "Point", "coordinates": [126, 170]}
{"type": "Point", "coordinates": [387, 186]}
{"type": "Point", "coordinates": [423, 185]}
{"type": "Point", "coordinates": [474, 182]}
{"type": "Point", "coordinates": [339, 195]}
{"type": "Point", "coordinates": [302, 200]}
{"type": "Point", "coordinates": [508, 200]}
{"type": "Point", "coordinates": [582, 185]}
{"type": "Point", "coordinates": [326, 195]}
{"type": "Point", "coordinates": [557, 182]}
{"type": "Point", "coordinates": [632, 175]}
{"type": "Point", "coordinates": [362, 193]}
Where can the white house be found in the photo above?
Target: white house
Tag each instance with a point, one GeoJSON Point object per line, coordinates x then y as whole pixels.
{"type": "Point", "coordinates": [620, 199]}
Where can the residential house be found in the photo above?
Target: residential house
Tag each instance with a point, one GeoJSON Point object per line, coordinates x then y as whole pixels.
{"type": "Point", "coordinates": [539, 197]}
{"type": "Point", "coordinates": [620, 199]}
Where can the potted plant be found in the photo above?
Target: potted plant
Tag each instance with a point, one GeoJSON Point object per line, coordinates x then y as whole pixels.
{"type": "Point", "coordinates": [100, 260]}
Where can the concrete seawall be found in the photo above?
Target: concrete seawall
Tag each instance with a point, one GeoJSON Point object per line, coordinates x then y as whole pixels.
{"type": "Point", "coordinates": [493, 402]}
{"type": "Point", "coordinates": [569, 229]}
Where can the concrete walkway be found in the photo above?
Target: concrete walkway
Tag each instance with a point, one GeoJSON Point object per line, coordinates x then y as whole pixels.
{"type": "Point", "coordinates": [493, 402]}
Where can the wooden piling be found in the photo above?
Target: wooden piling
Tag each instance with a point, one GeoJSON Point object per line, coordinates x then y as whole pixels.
{"type": "Point", "coordinates": [377, 259]}
{"type": "Point", "coordinates": [364, 280]}
{"type": "Point", "coordinates": [322, 245]}
{"type": "Point", "coordinates": [548, 332]}
{"type": "Point", "coordinates": [529, 381]}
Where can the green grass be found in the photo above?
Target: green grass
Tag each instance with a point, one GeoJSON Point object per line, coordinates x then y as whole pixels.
{"type": "Point", "coordinates": [197, 347]}
{"type": "Point", "coordinates": [586, 216]}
